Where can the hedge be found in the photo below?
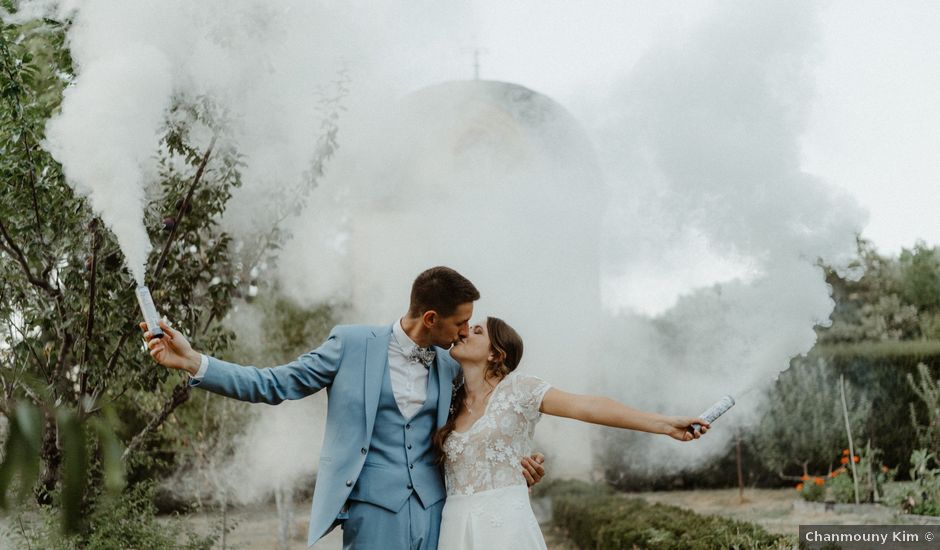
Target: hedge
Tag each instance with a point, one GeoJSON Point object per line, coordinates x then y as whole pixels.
{"type": "Point", "coordinates": [607, 522]}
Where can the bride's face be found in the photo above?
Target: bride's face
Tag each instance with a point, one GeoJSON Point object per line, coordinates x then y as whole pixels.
{"type": "Point", "coordinates": [475, 347]}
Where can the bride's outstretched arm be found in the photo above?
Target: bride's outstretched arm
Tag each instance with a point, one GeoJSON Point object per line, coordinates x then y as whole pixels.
{"type": "Point", "coordinates": [607, 412]}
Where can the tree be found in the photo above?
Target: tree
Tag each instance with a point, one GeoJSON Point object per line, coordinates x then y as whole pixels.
{"type": "Point", "coordinates": [920, 277]}
{"type": "Point", "coordinates": [69, 342]}
{"type": "Point", "coordinates": [802, 424]}
{"type": "Point", "coordinates": [871, 308]}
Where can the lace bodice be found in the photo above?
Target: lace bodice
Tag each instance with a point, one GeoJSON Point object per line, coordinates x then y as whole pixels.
{"type": "Point", "coordinates": [487, 455]}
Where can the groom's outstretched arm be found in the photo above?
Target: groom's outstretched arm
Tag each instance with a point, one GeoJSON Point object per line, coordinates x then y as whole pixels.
{"type": "Point", "coordinates": [305, 375]}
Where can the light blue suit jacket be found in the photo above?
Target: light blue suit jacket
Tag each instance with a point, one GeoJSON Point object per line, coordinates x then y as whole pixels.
{"type": "Point", "coordinates": [350, 365]}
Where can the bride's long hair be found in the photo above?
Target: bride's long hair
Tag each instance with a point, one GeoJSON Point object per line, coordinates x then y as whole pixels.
{"type": "Point", "coordinates": [506, 345]}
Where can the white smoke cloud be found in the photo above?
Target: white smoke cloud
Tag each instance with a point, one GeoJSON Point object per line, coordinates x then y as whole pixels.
{"type": "Point", "coordinates": [125, 92]}
{"type": "Point", "coordinates": [700, 148]}
{"type": "Point", "coordinates": [262, 63]}
{"type": "Point", "coordinates": [707, 138]}
{"type": "Point", "coordinates": [697, 164]}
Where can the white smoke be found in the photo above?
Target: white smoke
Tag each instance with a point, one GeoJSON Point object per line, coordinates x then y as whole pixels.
{"type": "Point", "coordinates": [700, 148]}
{"type": "Point", "coordinates": [106, 134]}
{"type": "Point", "coordinates": [263, 63]}
{"type": "Point", "coordinates": [704, 138]}
{"type": "Point", "coordinates": [694, 161]}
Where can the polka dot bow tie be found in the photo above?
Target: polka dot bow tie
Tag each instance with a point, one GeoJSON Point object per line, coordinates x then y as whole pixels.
{"type": "Point", "coordinates": [425, 356]}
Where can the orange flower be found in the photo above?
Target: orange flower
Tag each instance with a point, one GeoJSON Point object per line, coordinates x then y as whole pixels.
{"type": "Point", "coordinates": [845, 452]}
{"type": "Point", "coordinates": [885, 469]}
{"type": "Point", "coordinates": [804, 477]}
{"type": "Point", "coordinates": [855, 458]}
{"type": "Point", "coordinates": [799, 486]}
{"type": "Point", "coordinates": [844, 460]}
{"type": "Point", "coordinates": [818, 480]}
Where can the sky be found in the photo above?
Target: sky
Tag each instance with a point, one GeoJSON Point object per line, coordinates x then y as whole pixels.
{"type": "Point", "coordinates": [874, 125]}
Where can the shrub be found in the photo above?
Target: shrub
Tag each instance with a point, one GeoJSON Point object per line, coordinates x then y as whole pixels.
{"type": "Point", "coordinates": [126, 521]}
{"type": "Point", "coordinates": [928, 426]}
{"type": "Point", "coordinates": [812, 491]}
{"type": "Point", "coordinates": [923, 496]}
{"type": "Point", "coordinates": [839, 486]}
{"type": "Point", "coordinates": [606, 521]}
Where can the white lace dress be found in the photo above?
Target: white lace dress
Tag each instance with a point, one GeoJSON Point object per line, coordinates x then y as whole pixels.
{"type": "Point", "coordinates": [487, 506]}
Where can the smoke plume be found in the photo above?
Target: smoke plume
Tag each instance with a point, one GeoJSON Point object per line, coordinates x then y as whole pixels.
{"type": "Point", "coordinates": [662, 247]}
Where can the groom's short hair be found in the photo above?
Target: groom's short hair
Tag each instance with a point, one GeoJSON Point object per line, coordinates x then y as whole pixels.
{"type": "Point", "coordinates": [440, 289]}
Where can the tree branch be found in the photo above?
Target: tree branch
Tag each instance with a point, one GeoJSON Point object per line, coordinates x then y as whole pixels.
{"type": "Point", "coordinates": [18, 110]}
{"type": "Point", "coordinates": [90, 319]}
{"type": "Point", "coordinates": [113, 358]}
{"type": "Point", "coordinates": [179, 396]}
{"type": "Point", "coordinates": [179, 215]}
{"type": "Point", "coordinates": [64, 351]}
{"type": "Point", "coordinates": [10, 247]}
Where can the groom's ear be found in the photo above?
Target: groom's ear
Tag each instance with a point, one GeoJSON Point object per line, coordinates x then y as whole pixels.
{"type": "Point", "coordinates": [429, 318]}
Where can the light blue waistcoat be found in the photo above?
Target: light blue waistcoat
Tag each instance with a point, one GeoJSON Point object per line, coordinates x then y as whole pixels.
{"type": "Point", "coordinates": [400, 459]}
{"type": "Point", "coordinates": [352, 365]}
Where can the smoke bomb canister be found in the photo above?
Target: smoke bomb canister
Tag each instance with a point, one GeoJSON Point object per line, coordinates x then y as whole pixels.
{"type": "Point", "coordinates": [150, 311]}
{"type": "Point", "coordinates": [713, 412]}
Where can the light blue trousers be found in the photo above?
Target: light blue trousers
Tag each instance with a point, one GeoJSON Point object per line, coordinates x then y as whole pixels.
{"type": "Point", "coordinates": [372, 527]}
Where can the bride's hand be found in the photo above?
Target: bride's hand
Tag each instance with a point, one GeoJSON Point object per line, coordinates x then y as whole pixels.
{"type": "Point", "coordinates": [682, 428]}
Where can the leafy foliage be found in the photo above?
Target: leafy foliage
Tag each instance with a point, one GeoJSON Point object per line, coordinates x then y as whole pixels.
{"type": "Point", "coordinates": [125, 521]}
{"type": "Point", "coordinates": [803, 424]}
{"type": "Point", "coordinates": [923, 496]}
{"type": "Point", "coordinates": [604, 521]}
{"type": "Point", "coordinates": [928, 428]}
{"type": "Point", "coordinates": [839, 485]}
{"type": "Point", "coordinates": [69, 351]}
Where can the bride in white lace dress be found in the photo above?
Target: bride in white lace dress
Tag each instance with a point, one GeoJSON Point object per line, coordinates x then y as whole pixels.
{"type": "Point", "coordinates": [492, 420]}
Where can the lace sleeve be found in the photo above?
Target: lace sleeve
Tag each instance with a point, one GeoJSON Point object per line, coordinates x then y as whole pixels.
{"type": "Point", "coordinates": [529, 391]}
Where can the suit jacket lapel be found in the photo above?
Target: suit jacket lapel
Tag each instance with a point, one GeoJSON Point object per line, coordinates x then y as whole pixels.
{"type": "Point", "coordinates": [375, 364]}
{"type": "Point", "coordinates": [445, 381]}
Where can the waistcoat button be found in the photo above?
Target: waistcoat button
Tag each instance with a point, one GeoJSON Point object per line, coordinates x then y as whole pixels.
{"type": "Point", "coordinates": [363, 450]}
{"type": "Point", "coordinates": [349, 483]}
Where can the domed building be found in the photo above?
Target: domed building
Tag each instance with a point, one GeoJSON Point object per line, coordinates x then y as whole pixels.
{"type": "Point", "coordinates": [491, 178]}
{"type": "Point", "coordinates": [498, 181]}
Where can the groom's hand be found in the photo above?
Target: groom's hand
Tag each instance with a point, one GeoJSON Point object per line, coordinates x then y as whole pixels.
{"type": "Point", "coordinates": [532, 468]}
{"type": "Point", "coordinates": [173, 350]}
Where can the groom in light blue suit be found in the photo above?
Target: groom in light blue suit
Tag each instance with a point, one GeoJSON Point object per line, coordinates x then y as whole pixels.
{"type": "Point", "coordinates": [389, 390]}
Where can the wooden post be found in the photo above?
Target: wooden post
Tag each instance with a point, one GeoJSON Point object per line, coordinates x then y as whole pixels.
{"type": "Point", "coordinates": [848, 430]}
{"type": "Point", "coordinates": [737, 434]}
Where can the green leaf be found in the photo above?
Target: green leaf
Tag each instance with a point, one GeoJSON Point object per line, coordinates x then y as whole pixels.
{"type": "Point", "coordinates": [29, 422]}
{"type": "Point", "coordinates": [74, 469]}
{"type": "Point", "coordinates": [21, 455]}
{"type": "Point", "coordinates": [111, 451]}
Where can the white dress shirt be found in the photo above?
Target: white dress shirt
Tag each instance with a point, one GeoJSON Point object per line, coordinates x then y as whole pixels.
{"type": "Point", "coordinates": [409, 378]}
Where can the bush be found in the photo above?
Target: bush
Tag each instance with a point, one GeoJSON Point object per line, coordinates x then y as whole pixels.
{"type": "Point", "coordinates": [839, 486]}
{"type": "Point", "coordinates": [923, 495]}
{"type": "Point", "coordinates": [127, 521]}
{"type": "Point", "coordinates": [605, 521]}
{"type": "Point", "coordinates": [812, 491]}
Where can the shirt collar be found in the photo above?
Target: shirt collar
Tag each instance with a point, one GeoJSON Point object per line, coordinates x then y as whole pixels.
{"type": "Point", "coordinates": [404, 341]}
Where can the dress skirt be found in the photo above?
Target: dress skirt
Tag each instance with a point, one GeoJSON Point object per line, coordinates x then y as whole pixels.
{"type": "Point", "coordinates": [490, 520]}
